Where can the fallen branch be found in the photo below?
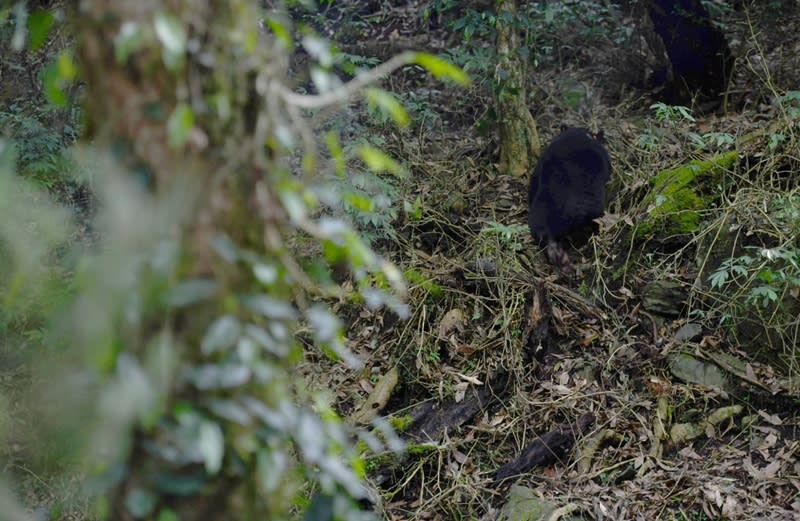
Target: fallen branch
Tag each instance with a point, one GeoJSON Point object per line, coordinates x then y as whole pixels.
{"type": "Point", "coordinates": [547, 449]}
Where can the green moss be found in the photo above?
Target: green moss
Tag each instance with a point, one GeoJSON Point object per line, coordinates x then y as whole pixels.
{"type": "Point", "coordinates": [415, 278]}
{"type": "Point", "coordinates": [676, 199]}
{"type": "Point", "coordinates": [421, 449]}
{"type": "Point", "coordinates": [401, 423]}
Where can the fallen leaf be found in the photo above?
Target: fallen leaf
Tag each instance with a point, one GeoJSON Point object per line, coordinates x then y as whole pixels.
{"type": "Point", "coordinates": [453, 320]}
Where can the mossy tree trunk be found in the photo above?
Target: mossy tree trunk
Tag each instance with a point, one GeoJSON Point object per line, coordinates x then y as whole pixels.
{"type": "Point", "coordinates": [171, 93]}
{"type": "Point", "coordinates": [519, 138]}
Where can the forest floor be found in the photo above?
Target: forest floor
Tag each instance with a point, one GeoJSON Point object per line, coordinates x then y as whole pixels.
{"type": "Point", "coordinates": [676, 414]}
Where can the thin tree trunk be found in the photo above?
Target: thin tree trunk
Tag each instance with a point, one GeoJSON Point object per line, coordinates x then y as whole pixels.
{"type": "Point", "coordinates": [519, 139]}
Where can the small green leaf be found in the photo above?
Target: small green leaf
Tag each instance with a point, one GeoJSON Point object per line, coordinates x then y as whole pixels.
{"type": "Point", "coordinates": [281, 32]}
{"type": "Point", "coordinates": [335, 148]}
{"type": "Point", "coordinates": [66, 66]}
{"type": "Point", "coordinates": [319, 49]}
{"type": "Point", "coordinates": [52, 86]}
{"type": "Point", "coordinates": [388, 104]}
{"type": "Point", "coordinates": [221, 335]}
{"type": "Point", "coordinates": [172, 36]}
{"type": "Point", "coordinates": [469, 31]}
{"type": "Point", "coordinates": [359, 202]}
{"type": "Point", "coordinates": [39, 24]}
{"type": "Point", "coordinates": [270, 307]}
{"type": "Point", "coordinates": [325, 325]}
{"type": "Point", "coordinates": [179, 125]}
{"type": "Point", "coordinates": [267, 340]}
{"type": "Point", "coordinates": [230, 410]}
{"type": "Point", "coordinates": [377, 161]}
{"type": "Point", "coordinates": [441, 68]}
{"type": "Point", "coordinates": [167, 514]}
{"type": "Point", "coordinates": [170, 32]}
{"type": "Point", "coordinates": [211, 376]}
{"type": "Point", "coordinates": [180, 484]}
{"type": "Point", "coordinates": [266, 274]}
{"type": "Point", "coordinates": [718, 279]}
{"type": "Point", "coordinates": [270, 468]}
{"type": "Point", "coordinates": [140, 503]}
{"type": "Point", "coordinates": [294, 205]}
{"type": "Point", "coordinates": [129, 40]}
{"type": "Point", "coordinates": [211, 442]}
{"type": "Point", "coordinates": [225, 248]}
{"type": "Point", "coordinates": [190, 292]}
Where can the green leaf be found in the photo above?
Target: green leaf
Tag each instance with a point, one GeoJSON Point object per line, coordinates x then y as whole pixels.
{"type": "Point", "coordinates": [211, 442]}
{"type": "Point", "coordinates": [441, 68]}
{"type": "Point", "coordinates": [230, 410]}
{"type": "Point", "coordinates": [52, 86]}
{"type": "Point", "coordinates": [179, 125]}
{"type": "Point", "coordinates": [281, 32]}
{"type": "Point", "coordinates": [718, 279]}
{"type": "Point", "coordinates": [325, 325]}
{"type": "Point", "coordinates": [266, 340]}
{"type": "Point", "coordinates": [210, 376]}
{"type": "Point", "coordinates": [270, 468]}
{"type": "Point", "coordinates": [389, 105]}
{"type": "Point", "coordinates": [335, 148]}
{"type": "Point", "coordinates": [66, 66]}
{"type": "Point", "coordinates": [359, 202]}
{"type": "Point", "coordinates": [270, 307]}
{"type": "Point", "coordinates": [221, 335]}
{"type": "Point", "coordinates": [266, 274]}
{"type": "Point", "coordinates": [378, 161]}
{"type": "Point", "coordinates": [172, 36]}
{"type": "Point", "coordinates": [225, 248]}
{"type": "Point", "coordinates": [128, 41]}
{"type": "Point", "coordinates": [180, 484]}
{"type": "Point", "coordinates": [140, 503]}
{"type": "Point", "coordinates": [170, 32]}
{"type": "Point", "coordinates": [469, 31]}
{"type": "Point", "coordinates": [319, 49]}
{"type": "Point", "coordinates": [39, 24]}
{"type": "Point", "coordinates": [168, 514]}
{"type": "Point", "coordinates": [190, 292]}
{"type": "Point", "coordinates": [294, 205]}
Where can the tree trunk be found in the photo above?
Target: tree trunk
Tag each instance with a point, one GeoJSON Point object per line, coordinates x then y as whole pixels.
{"type": "Point", "coordinates": [699, 55]}
{"type": "Point", "coordinates": [519, 139]}
{"type": "Point", "coordinates": [152, 104]}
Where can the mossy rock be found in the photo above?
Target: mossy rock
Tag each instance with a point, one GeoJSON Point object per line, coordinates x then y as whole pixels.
{"type": "Point", "coordinates": [677, 199]}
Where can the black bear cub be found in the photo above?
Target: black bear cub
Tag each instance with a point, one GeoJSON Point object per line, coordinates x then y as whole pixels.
{"type": "Point", "coordinates": [568, 188]}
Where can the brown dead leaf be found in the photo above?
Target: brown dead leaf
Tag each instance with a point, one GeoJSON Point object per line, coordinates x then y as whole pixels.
{"type": "Point", "coordinates": [461, 391]}
{"type": "Point", "coordinates": [772, 419]}
{"type": "Point", "coordinates": [589, 336]}
{"type": "Point", "coordinates": [658, 386]}
{"type": "Point", "coordinates": [462, 348]}
{"type": "Point", "coordinates": [459, 456]}
{"type": "Point", "coordinates": [453, 320]}
{"type": "Point", "coordinates": [365, 385]}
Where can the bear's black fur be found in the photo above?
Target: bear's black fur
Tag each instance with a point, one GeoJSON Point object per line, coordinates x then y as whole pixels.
{"type": "Point", "coordinates": [567, 188]}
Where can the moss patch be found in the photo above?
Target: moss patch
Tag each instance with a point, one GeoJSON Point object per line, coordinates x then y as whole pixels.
{"type": "Point", "coordinates": [675, 200]}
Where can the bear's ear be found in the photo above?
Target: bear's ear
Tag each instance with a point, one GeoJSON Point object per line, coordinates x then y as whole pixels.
{"type": "Point", "coordinates": [600, 137]}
